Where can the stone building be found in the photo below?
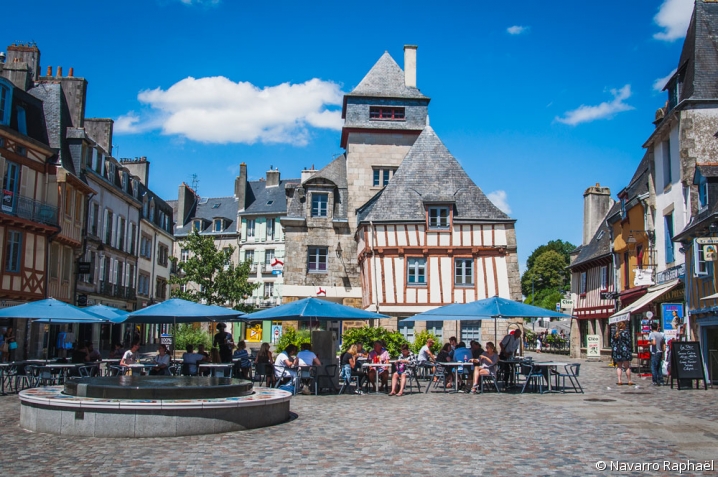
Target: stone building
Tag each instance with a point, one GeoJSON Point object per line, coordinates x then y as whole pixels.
{"type": "Point", "coordinates": [354, 225]}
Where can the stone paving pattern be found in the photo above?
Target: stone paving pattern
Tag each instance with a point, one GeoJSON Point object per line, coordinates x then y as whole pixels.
{"type": "Point", "coordinates": [435, 434]}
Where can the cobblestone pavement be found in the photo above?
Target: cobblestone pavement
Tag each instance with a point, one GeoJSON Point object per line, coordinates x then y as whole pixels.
{"type": "Point", "coordinates": [423, 435]}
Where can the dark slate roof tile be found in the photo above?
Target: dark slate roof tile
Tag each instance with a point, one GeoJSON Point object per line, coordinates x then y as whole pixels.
{"type": "Point", "coordinates": [429, 173]}
{"type": "Point", "coordinates": [699, 56]}
{"type": "Point", "coordinates": [266, 200]}
{"type": "Point", "coordinates": [385, 79]}
{"type": "Point", "coordinates": [209, 209]}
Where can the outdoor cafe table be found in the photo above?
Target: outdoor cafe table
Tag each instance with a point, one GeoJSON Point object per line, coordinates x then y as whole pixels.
{"type": "Point", "coordinates": [547, 365]}
{"type": "Point", "coordinates": [64, 368]}
{"type": "Point", "coordinates": [377, 365]}
{"type": "Point", "coordinates": [140, 366]}
{"type": "Point", "coordinates": [456, 365]}
{"type": "Point", "coordinates": [213, 366]}
{"type": "Point", "coordinates": [511, 368]}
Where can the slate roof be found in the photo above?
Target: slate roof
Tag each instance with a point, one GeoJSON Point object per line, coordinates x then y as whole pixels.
{"type": "Point", "coordinates": [259, 197]}
{"type": "Point", "coordinates": [699, 57]}
{"type": "Point", "coordinates": [429, 173]}
{"type": "Point", "coordinates": [600, 244]}
{"type": "Point", "coordinates": [207, 209]}
{"type": "Point", "coordinates": [385, 79]}
{"type": "Point", "coordinates": [56, 120]}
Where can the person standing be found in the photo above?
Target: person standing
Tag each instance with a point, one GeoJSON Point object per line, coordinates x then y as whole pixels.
{"type": "Point", "coordinates": [658, 346]}
{"type": "Point", "coordinates": [621, 352]}
{"type": "Point", "coordinates": [224, 342]}
{"type": "Point", "coordinates": [510, 345]}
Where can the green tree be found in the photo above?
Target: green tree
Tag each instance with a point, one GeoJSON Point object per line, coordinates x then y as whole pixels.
{"type": "Point", "coordinates": [546, 274]}
{"type": "Point", "coordinates": [292, 336]}
{"type": "Point", "coordinates": [213, 277]}
{"type": "Point", "coordinates": [367, 335]}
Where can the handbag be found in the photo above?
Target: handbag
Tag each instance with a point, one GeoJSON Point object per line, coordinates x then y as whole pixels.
{"type": "Point", "coordinates": [12, 345]}
{"type": "Point", "coordinates": [4, 348]}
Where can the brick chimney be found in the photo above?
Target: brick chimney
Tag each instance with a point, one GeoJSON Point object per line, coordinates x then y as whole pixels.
{"type": "Point", "coordinates": [22, 65]}
{"type": "Point", "coordinates": [596, 202]}
{"type": "Point", "coordinates": [139, 167]}
{"type": "Point", "coordinates": [272, 177]}
{"type": "Point", "coordinates": [410, 65]}
{"type": "Point", "coordinates": [74, 89]}
{"type": "Point", "coordinates": [240, 187]}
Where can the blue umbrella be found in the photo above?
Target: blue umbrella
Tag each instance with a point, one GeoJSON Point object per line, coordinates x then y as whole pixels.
{"type": "Point", "coordinates": [114, 315]}
{"type": "Point", "coordinates": [488, 308]}
{"type": "Point", "coordinates": [176, 310]}
{"type": "Point", "coordinates": [50, 310]}
{"type": "Point", "coordinates": [313, 308]}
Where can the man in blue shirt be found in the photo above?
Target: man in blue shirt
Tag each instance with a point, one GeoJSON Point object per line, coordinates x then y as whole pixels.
{"type": "Point", "coordinates": [463, 354]}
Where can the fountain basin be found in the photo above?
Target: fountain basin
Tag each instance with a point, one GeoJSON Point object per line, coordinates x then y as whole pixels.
{"type": "Point", "coordinates": [157, 387]}
{"type": "Point", "coordinates": [51, 410]}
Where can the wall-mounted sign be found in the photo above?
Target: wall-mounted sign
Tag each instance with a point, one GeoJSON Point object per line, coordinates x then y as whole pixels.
{"type": "Point", "coordinates": [642, 276]}
{"type": "Point", "coordinates": [615, 319]}
{"type": "Point", "coordinates": [707, 240]}
{"type": "Point", "coordinates": [83, 267]}
{"type": "Point", "coordinates": [277, 265]}
{"type": "Point", "coordinates": [710, 254]}
{"type": "Point", "coordinates": [566, 304]}
{"type": "Point", "coordinates": [321, 291]}
{"type": "Point", "coordinates": [592, 346]}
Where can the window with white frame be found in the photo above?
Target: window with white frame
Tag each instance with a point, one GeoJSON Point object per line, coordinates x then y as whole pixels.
{"type": "Point", "coordinates": [701, 267]}
{"type": "Point", "coordinates": [382, 175]}
{"type": "Point", "coordinates": [251, 228]}
{"type": "Point", "coordinates": [163, 253]}
{"type": "Point", "coordinates": [320, 203]}
{"type": "Point", "coordinates": [109, 220]}
{"type": "Point", "coordinates": [604, 277]}
{"type": "Point", "coordinates": [439, 217]}
{"type": "Point", "coordinates": [121, 231]}
{"type": "Point", "coordinates": [146, 247]}
{"type": "Point", "coordinates": [582, 284]}
{"type": "Point", "coordinates": [268, 289]}
{"type": "Point", "coordinates": [463, 271]}
{"type": "Point", "coordinates": [217, 225]}
{"type": "Point", "coordinates": [270, 229]}
{"type": "Point", "coordinates": [436, 328]}
{"type": "Point", "coordinates": [13, 251]}
{"type": "Point", "coordinates": [416, 271]}
{"type": "Point", "coordinates": [184, 255]}
{"type": "Point", "coordinates": [470, 330]}
{"type": "Point", "coordinates": [197, 225]}
{"type": "Point", "coordinates": [317, 260]}
{"type": "Point", "coordinates": [249, 257]}
{"type": "Point", "coordinates": [143, 285]}
{"type": "Point", "coordinates": [268, 258]}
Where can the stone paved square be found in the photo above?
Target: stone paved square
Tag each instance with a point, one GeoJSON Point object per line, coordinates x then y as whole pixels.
{"type": "Point", "coordinates": [418, 434]}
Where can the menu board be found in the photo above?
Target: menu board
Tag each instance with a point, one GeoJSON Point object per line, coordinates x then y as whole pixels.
{"type": "Point", "coordinates": [686, 362]}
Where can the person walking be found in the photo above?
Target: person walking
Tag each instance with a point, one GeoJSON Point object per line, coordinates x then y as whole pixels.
{"type": "Point", "coordinates": [621, 353]}
{"type": "Point", "coordinates": [658, 346]}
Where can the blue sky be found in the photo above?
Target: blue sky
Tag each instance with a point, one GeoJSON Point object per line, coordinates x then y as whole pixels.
{"type": "Point", "coordinates": [537, 100]}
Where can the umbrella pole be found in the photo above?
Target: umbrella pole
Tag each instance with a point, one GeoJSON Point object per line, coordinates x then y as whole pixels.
{"type": "Point", "coordinates": [47, 350]}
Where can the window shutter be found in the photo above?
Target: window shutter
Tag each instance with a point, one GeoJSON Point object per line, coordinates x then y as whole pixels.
{"type": "Point", "coordinates": [90, 218]}
{"type": "Point", "coordinates": [115, 220]}
{"type": "Point", "coordinates": [669, 237]}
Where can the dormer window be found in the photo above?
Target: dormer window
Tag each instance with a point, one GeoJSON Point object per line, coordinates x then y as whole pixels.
{"type": "Point", "coordinates": [439, 217]}
{"type": "Point", "coordinates": [21, 120]}
{"type": "Point", "coordinates": [320, 205]}
{"type": "Point", "coordinates": [197, 225]}
{"type": "Point", "coordinates": [4, 104]}
{"type": "Point", "coordinates": [218, 225]}
{"type": "Point", "coordinates": [124, 181]}
{"type": "Point", "coordinates": [386, 113]}
{"type": "Point", "coordinates": [624, 212]}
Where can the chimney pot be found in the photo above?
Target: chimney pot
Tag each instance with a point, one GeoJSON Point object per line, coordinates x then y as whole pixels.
{"type": "Point", "coordinates": [59, 71]}
{"type": "Point", "coordinates": [49, 71]}
{"type": "Point", "coordinates": [71, 73]}
{"type": "Point", "coordinates": [410, 66]}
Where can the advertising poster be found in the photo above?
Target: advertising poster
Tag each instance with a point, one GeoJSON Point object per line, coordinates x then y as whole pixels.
{"type": "Point", "coordinates": [672, 316]}
{"type": "Point", "coordinates": [592, 349]}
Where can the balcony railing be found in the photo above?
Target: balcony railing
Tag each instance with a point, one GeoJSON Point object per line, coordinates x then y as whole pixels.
{"type": "Point", "coordinates": [117, 291]}
{"type": "Point", "coordinates": [33, 210]}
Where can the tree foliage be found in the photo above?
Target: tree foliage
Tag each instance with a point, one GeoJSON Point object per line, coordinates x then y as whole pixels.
{"type": "Point", "coordinates": [420, 340]}
{"type": "Point", "coordinates": [186, 334]}
{"type": "Point", "coordinates": [292, 336]}
{"type": "Point", "coordinates": [367, 335]}
{"type": "Point", "coordinates": [546, 274]}
{"type": "Point", "coordinates": [210, 274]}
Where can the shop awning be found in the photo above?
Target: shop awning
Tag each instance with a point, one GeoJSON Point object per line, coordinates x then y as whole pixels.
{"type": "Point", "coordinates": [710, 297]}
{"type": "Point", "coordinates": [652, 293]}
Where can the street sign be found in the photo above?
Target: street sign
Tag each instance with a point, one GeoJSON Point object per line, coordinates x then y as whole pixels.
{"type": "Point", "coordinates": [707, 240]}
{"type": "Point", "coordinates": [566, 303]}
{"type": "Point", "coordinates": [592, 349]}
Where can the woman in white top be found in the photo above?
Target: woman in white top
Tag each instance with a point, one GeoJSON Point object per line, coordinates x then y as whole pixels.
{"type": "Point", "coordinates": [487, 365]}
{"type": "Point", "coordinates": [162, 361]}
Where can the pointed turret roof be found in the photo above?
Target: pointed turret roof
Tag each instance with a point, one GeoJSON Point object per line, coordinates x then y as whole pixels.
{"type": "Point", "coordinates": [430, 174]}
{"type": "Point", "coordinates": [386, 79]}
{"type": "Point", "coordinates": [699, 58]}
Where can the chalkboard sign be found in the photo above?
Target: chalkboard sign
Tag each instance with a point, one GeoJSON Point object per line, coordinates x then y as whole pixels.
{"type": "Point", "coordinates": [687, 363]}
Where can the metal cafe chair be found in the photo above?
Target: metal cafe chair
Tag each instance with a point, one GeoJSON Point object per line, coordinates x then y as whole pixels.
{"type": "Point", "coordinates": [307, 375]}
{"type": "Point", "coordinates": [327, 377]}
{"type": "Point", "coordinates": [264, 373]}
{"type": "Point", "coordinates": [412, 379]}
{"type": "Point", "coordinates": [571, 372]}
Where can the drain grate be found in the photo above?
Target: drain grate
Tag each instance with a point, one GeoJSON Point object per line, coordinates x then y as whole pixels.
{"type": "Point", "coordinates": [599, 400]}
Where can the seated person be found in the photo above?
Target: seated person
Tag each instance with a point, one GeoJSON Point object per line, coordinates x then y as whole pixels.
{"type": "Point", "coordinates": [117, 351]}
{"type": "Point", "coordinates": [190, 359]}
{"type": "Point", "coordinates": [476, 349]}
{"type": "Point", "coordinates": [487, 364]}
{"type": "Point", "coordinates": [379, 355]}
{"type": "Point", "coordinates": [445, 357]}
{"type": "Point", "coordinates": [425, 354]}
{"type": "Point", "coordinates": [285, 365]}
{"type": "Point", "coordinates": [92, 354]}
{"type": "Point", "coordinates": [243, 363]}
{"type": "Point", "coordinates": [403, 368]}
{"type": "Point", "coordinates": [79, 354]}
{"type": "Point", "coordinates": [307, 357]}
{"type": "Point", "coordinates": [201, 350]}
{"type": "Point", "coordinates": [131, 356]}
{"type": "Point", "coordinates": [462, 354]}
{"type": "Point", "coordinates": [162, 362]}
{"type": "Point", "coordinates": [348, 363]}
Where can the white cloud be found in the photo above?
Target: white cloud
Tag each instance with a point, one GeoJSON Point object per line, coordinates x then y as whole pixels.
{"type": "Point", "coordinates": [673, 16]}
{"type": "Point", "coordinates": [585, 114]}
{"type": "Point", "coordinates": [218, 110]}
{"type": "Point", "coordinates": [498, 197]}
{"type": "Point", "coordinates": [517, 30]}
{"type": "Point", "coordinates": [660, 83]}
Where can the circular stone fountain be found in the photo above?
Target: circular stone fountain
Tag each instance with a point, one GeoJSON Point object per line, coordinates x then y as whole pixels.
{"type": "Point", "coordinates": [151, 406]}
